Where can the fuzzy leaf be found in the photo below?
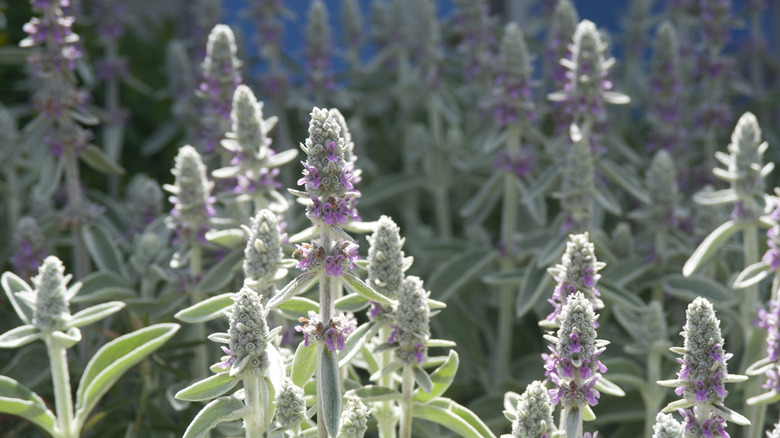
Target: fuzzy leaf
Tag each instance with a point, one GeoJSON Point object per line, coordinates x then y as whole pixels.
{"type": "Point", "coordinates": [220, 274]}
{"type": "Point", "coordinates": [607, 387]}
{"type": "Point", "coordinates": [710, 246]}
{"type": "Point", "coordinates": [766, 398]}
{"type": "Point", "coordinates": [355, 342]}
{"type": "Point", "coordinates": [730, 415]}
{"type": "Point", "coordinates": [459, 270]}
{"type": "Point", "coordinates": [206, 310]}
{"type": "Point", "coordinates": [439, 411]}
{"type": "Point", "coordinates": [751, 275]}
{"type": "Point", "coordinates": [19, 336]}
{"type": "Point", "coordinates": [487, 189]}
{"type": "Point", "coordinates": [675, 405]}
{"type": "Point", "coordinates": [13, 284]}
{"type": "Point", "coordinates": [442, 378]}
{"type": "Point", "coordinates": [17, 399]}
{"type": "Point", "coordinates": [727, 196]}
{"type": "Point", "coordinates": [114, 359]}
{"type": "Point", "coordinates": [588, 414]}
{"type": "Point", "coordinates": [98, 160]}
{"type": "Point", "coordinates": [329, 388]}
{"type": "Point", "coordinates": [297, 286]}
{"type": "Point", "coordinates": [423, 379]}
{"type": "Point", "coordinates": [573, 422]}
{"type": "Point", "coordinates": [303, 365]}
{"type": "Point", "coordinates": [300, 306]}
{"type": "Point", "coordinates": [103, 286]}
{"type": "Point", "coordinates": [232, 238]}
{"type": "Point", "coordinates": [102, 249]}
{"type": "Point", "coordinates": [221, 410]}
{"type": "Point", "coordinates": [358, 286]}
{"type": "Point", "coordinates": [351, 303]}
{"type": "Point", "coordinates": [698, 286]}
{"type": "Point", "coordinates": [208, 388]}
{"type": "Point", "coordinates": [66, 339]}
{"type": "Point", "coordinates": [50, 176]}
{"type": "Point", "coordinates": [95, 313]}
{"type": "Point", "coordinates": [471, 419]}
{"type": "Point", "coordinates": [375, 393]}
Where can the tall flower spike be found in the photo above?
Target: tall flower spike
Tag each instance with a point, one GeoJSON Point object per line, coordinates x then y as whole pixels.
{"type": "Point", "coordinates": [263, 252]}
{"type": "Point", "coordinates": [578, 188]}
{"type": "Point", "coordinates": [290, 405]}
{"type": "Point", "coordinates": [512, 99]}
{"type": "Point", "coordinates": [564, 23]}
{"type": "Point", "coordinates": [349, 146]}
{"type": "Point", "coordinates": [573, 364]}
{"type": "Point", "coordinates": [665, 93]}
{"type": "Point", "coordinates": [318, 48]}
{"type": "Point", "coordinates": [192, 200]}
{"type": "Point", "coordinates": [221, 76]}
{"type": "Point", "coordinates": [29, 247]}
{"type": "Point", "coordinates": [700, 381]}
{"type": "Point", "coordinates": [667, 427]}
{"type": "Point", "coordinates": [577, 272]}
{"type": "Point", "coordinates": [386, 261]}
{"type": "Point", "coordinates": [354, 419]}
{"type": "Point", "coordinates": [769, 319]}
{"type": "Point", "coordinates": [144, 200]}
{"type": "Point", "coordinates": [745, 169]}
{"type": "Point", "coordinates": [534, 413]}
{"type": "Point", "coordinates": [254, 165]}
{"type": "Point", "coordinates": [662, 210]}
{"type": "Point", "coordinates": [587, 88]}
{"type": "Point", "coordinates": [475, 29]}
{"type": "Point", "coordinates": [248, 335]}
{"type": "Point", "coordinates": [412, 325]}
{"type": "Point", "coordinates": [52, 309]}
{"type": "Point", "coordinates": [352, 21]}
{"type": "Point", "coordinates": [423, 36]}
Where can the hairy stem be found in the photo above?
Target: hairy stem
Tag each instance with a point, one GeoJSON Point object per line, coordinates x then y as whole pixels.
{"type": "Point", "coordinates": [256, 397]}
{"type": "Point", "coordinates": [76, 210]}
{"type": "Point", "coordinates": [407, 390]}
{"type": "Point", "coordinates": [201, 363]}
{"type": "Point", "coordinates": [62, 394]}
{"type": "Point", "coordinates": [440, 173]}
{"type": "Point", "coordinates": [385, 418]}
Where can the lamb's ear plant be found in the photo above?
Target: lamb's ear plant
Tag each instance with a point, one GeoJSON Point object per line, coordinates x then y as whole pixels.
{"type": "Point", "coordinates": [701, 379]}
{"type": "Point", "coordinates": [531, 412]}
{"type": "Point", "coordinates": [252, 360]}
{"type": "Point", "coordinates": [44, 310]}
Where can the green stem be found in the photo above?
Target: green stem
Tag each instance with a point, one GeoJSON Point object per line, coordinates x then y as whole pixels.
{"type": "Point", "coordinates": [62, 393]}
{"type": "Point", "coordinates": [508, 227]}
{"type": "Point", "coordinates": [440, 172]}
{"type": "Point", "coordinates": [749, 303]}
{"type": "Point", "coordinates": [385, 417]}
{"type": "Point", "coordinates": [255, 396]}
{"type": "Point", "coordinates": [407, 391]}
{"type": "Point", "coordinates": [655, 393]}
{"type": "Point", "coordinates": [201, 363]}
{"type": "Point", "coordinates": [76, 209]}
{"type": "Point", "coordinates": [112, 108]}
{"type": "Point", "coordinates": [660, 252]}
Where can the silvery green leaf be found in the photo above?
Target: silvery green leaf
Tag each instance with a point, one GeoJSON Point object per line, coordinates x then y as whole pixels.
{"type": "Point", "coordinates": [355, 342]}
{"type": "Point", "coordinates": [439, 411]}
{"type": "Point", "coordinates": [624, 179]}
{"type": "Point", "coordinates": [208, 388]}
{"type": "Point", "coordinates": [543, 183]}
{"type": "Point", "coordinates": [360, 227]}
{"type": "Point", "coordinates": [766, 398]}
{"type": "Point", "coordinates": [726, 196]}
{"type": "Point", "coordinates": [671, 383]}
{"type": "Point", "coordinates": [112, 360]}
{"type": "Point", "coordinates": [299, 193]}
{"type": "Point", "coordinates": [441, 378]}
{"type": "Point", "coordinates": [536, 284]}
{"type": "Point", "coordinates": [276, 372]}
{"type": "Point", "coordinates": [218, 411]}
{"type": "Point", "coordinates": [759, 367]}
{"type": "Point", "coordinates": [374, 393]}
{"type": "Point", "coordinates": [677, 350]}
{"type": "Point", "coordinates": [98, 160]}
{"type": "Point", "coordinates": [221, 273]}
{"type": "Point", "coordinates": [384, 346]}
{"type": "Point", "coordinates": [459, 270]}
{"type": "Point", "coordinates": [352, 303]}
{"type": "Point", "coordinates": [690, 288]}
{"type": "Point", "coordinates": [360, 287]}
{"type": "Point", "coordinates": [281, 158]}
{"type": "Point", "coordinates": [614, 293]}
{"type": "Point", "coordinates": [604, 385]}
{"type": "Point", "coordinates": [607, 200]}
{"type": "Point", "coordinates": [751, 275]}
{"type": "Point", "coordinates": [389, 186]}
{"type": "Point", "coordinates": [436, 305]}
{"type": "Point", "coordinates": [423, 379]}
{"type": "Point", "coordinates": [573, 422]}
{"type": "Point", "coordinates": [626, 270]}
{"type": "Point", "coordinates": [767, 169]}
{"type": "Point", "coordinates": [512, 277]}
{"type": "Point", "coordinates": [588, 414]}
{"type": "Point", "coordinates": [329, 390]}
{"type": "Point", "coordinates": [729, 415]}
{"type": "Point", "coordinates": [94, 314]}
{"type": "Point", "coordinates": [734, 378]}
{"type": "Point", "coordinates": [102, 249]}
{"type": "Point", "coordinates": [161, 136]}
{"type": "Point", "coordinates": [66, 339]}
{"type": "Point", "coordinates": [206, 310]}
{"type": "Point", "coordinates": [220, 337]}
{"type": "Point", "coordinates": [307, 234]}
{"type": "Point", "coordinates": [444, 343]}
{"type": "Point", "coordinates": [13, 284]}
{"type": "Point", "coordinates": [231, 238]}
{"type": "Point", "coordinates": [17, 399]}
{"type": "Point", "coordinates": [675, 405]}
{"type": "Point", "coordinates": [297, 286]}
{"type": "Point", "coordinates": [389, 368]}
{"type": "Point", "coordinates": [615, 98]}
{"type": "Point", "coordinates": [304, 364]}
{"type": "Point", "coordinates": [710, 246]}
{"type": "Point", "coordinates": [575, 133]}
{"type": "Point", "coordinates": [50, 176]}
{"type": "Point", "coordinates": [83, 117]}
{"type": "Point", "coordinates": [298, 306]}
{"type": "Point", "coordinates": [477, 202]}
{"type": "Point", "coordinates": [469, 417]}
{"type": "Point", "coordinates": [19, 336]}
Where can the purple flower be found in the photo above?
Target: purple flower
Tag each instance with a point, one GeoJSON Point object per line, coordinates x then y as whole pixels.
{"type": "Point", "coordinates": [29, 248]}
{"type": "Point", "coordinates": [770, 320]}
{"type": "Point", "coordinates": [334, 336]}
{"type": "Point", "coordinates": [512, 97]}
